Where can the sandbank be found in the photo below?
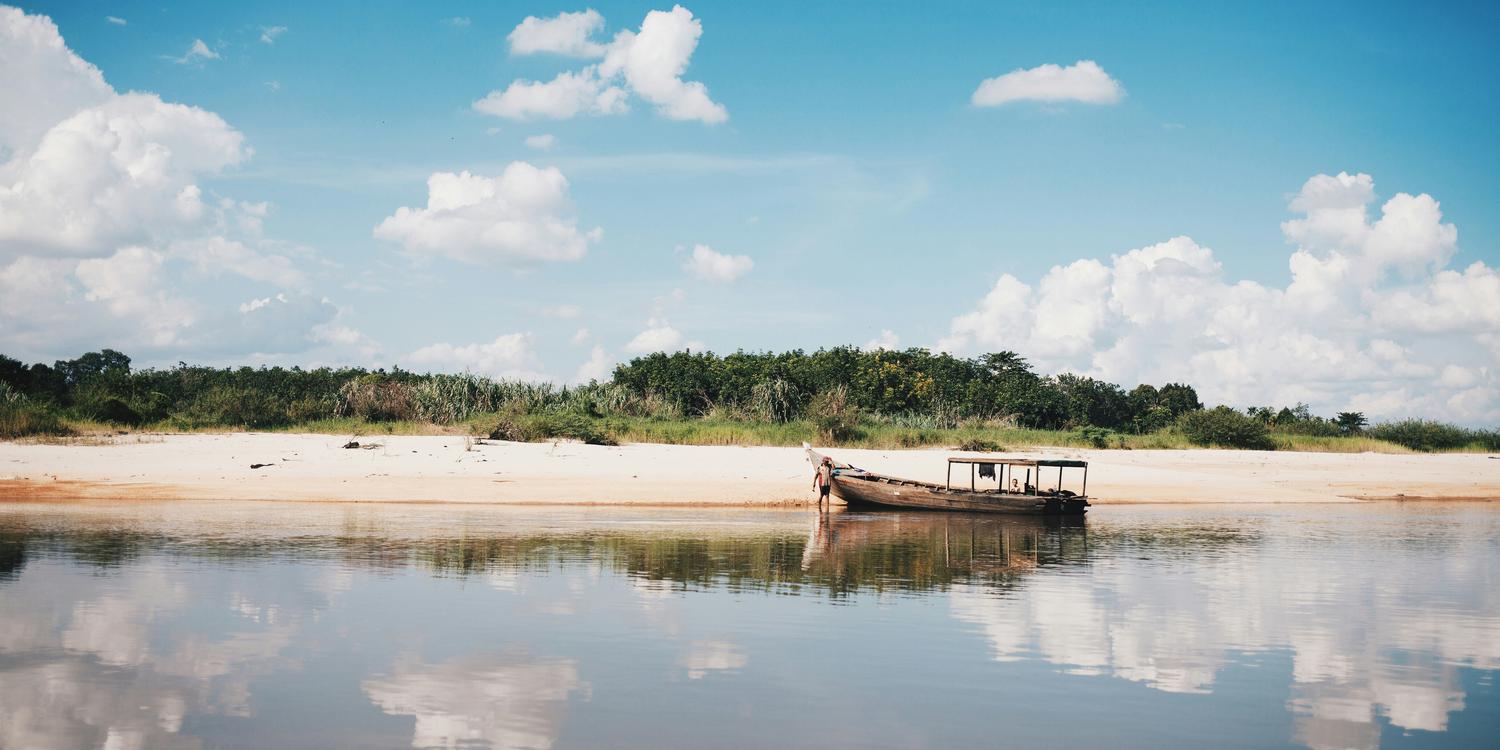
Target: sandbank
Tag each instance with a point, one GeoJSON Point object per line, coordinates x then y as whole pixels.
{"type": "Point", "coordinates": [453, 469]}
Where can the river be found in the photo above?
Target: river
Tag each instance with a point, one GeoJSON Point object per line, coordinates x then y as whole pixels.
{"type": "Point", "coordinates": [252, 625]}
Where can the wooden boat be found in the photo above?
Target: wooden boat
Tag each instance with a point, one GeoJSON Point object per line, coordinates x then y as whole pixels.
{"type": "Point", "coordinates": [856, 487]}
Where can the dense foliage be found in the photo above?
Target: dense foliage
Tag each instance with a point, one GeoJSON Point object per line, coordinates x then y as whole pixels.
{"type": "Point", "coordinates": [835, 395]}
{"type": "Point", "coordinates": [1224, 427]}
{"type": "Point", "coordinates": [943, 388]}
{"type": "Point", "coordinates": [1424, 435]}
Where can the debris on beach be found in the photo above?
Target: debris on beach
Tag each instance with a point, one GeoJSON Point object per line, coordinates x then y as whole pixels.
{"type": "Point", "coordinates": [260, 466]}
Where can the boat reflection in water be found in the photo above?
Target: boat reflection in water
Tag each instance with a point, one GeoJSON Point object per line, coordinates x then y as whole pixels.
{"type": "Point", "coordinates": [921, 550]}
{"type": "Point", "coordinates": [306, 625]}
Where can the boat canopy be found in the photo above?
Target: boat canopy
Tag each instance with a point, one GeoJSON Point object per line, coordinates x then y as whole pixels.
{"type": "Point", "coordinates": [1054, 463]}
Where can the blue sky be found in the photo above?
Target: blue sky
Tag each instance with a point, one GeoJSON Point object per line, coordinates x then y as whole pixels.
{"type": "Point", "coordinates": [874, 199]}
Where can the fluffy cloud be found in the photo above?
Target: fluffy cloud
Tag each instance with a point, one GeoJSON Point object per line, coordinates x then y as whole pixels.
{"type": "Point", "coordinates": [1369, 320]}
{"type": "Point", "coordinates": [710, 265]}
{"type": "Point", "coordinates": [268, 34]}
{"type": "Point", "coordinates": [510, 356]}
{"type": "Point", "coordinates": [597, 367]}
{"type": "Point", "coordinates": [523, 216]}
{"type": "Point", "coordinates": [41, 80]}
{"type": "Point", "coordinates": [128, 284]}
{"type": "Point", "coordinates": [87, 170]}
{"type": "Point", "coordinates": [649, 64]}
{"type": "Point", "coordinates": [121, 171]}
{"type": "Point", "coordinates": [102, 216]}
{"type": "Point", "coordinates": [659, 336]}
{"type": "Point", "coordinates": [567, 95]}
{"type": "Point", "coordinates": [1083, 81]}
{"type": "Point", "coordinates": [564, 34]}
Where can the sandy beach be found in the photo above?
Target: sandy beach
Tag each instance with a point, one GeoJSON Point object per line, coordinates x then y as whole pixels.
{"type": "Point", "coordinates": [452, 469]}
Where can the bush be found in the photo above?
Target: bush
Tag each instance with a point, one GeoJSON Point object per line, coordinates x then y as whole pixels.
{"type": "Point", "coordinates": [376, 399]}
{"type": "Point", "coordinates": [521, 427]}
{"type": "Point", "coordinates": [118, 412]}
{"type": "Point", "coordinates": [1096, 436]}
{"type": "Point", "coordinates": [22, 417]}
{"type": "Point", "coordinates": [1425, 435]}
{"type": "Point", "coordinates": [1224, 427]}
{"type": "Point", "coordinates": [837, 419]}
{"type": "Point", "coordinates": [977, 445]}
{"type": "Point", "coordinates": [232, 407]}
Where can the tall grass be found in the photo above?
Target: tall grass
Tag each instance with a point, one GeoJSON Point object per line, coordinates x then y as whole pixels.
{"type": "Point", "coordinates": [22, 417]}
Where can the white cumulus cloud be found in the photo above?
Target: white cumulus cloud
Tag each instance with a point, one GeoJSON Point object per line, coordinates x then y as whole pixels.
{"type": "Point", "coordinates": [511, 356]}
{"type": "Point", "coordinates": [597, 367]}
{"type": "Point", "coordinates": [87, 170]}
{"type": "Point", "coordinates": [521, 217]}
{"type": "Point", "coordinates": [1370, 319]}
{"type": "Point", "coordinates": [41, 81]}
{"type": "Point", "coordinates": [268, 34]}
{"type": "Point", "coordinates": [659, 336]}
{"type": "Point", "coordinates": [649, 64]}
{"type": "Point", "coordinates": [542, 142]}
{"type": "Point", "coordinates": [563, 34]}
{"type": "Point", "coordinates": [103, 220]}
{"type": "Point", "coordinates": [567, 95]}
{"type": "Point", "coordinates": [705, 263]}
{"type": "Point", "coordinates": [1083, 81]}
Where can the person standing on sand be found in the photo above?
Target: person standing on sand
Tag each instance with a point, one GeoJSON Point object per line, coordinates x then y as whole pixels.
{"type": "Point", "coordinates": [823, 480]}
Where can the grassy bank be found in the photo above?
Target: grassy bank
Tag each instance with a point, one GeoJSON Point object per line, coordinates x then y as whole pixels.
{"type": "Point", "coordinates": [838, 397]}
{"type": "Point", "coordinates": [870, 433]}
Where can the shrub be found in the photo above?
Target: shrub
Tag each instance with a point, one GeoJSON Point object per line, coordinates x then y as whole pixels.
{"type": "Point", "coordinates": [118, 412]}
{"type": "Point", "coordinates": [310, 408]}
{"type": "Point", "coordinates": [22, 417]}
{"type": "Point", "coordinates": [223, 406]}
{"type": "Point", "coordinates": [1424, 435]}
{"type": "Point", "coordinates": [978, 445]}
{"type": "Point", "coordinates": [376, 399]}
{"type": "Point", "coordinates": [837, 419]}
{"type": "Point", "coordinates": [522, 427]}
{"type": "Point", "coordinates": [1096, 436]}
{"type": "Point", "coordinates": [1225, 427]}
{"type": "Point", "coordinates": [775, 400]}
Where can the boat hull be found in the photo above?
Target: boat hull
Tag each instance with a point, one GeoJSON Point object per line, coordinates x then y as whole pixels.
{"type": "Point", "coordinates": [879, 491]}
{"type": "Point", "coordinates": [857, 487]}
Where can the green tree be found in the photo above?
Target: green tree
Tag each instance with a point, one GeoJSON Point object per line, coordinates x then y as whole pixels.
{"type": "Point", "coordinates": [1351, 422]}
{"type": "Point", "coordinates": [1179, 399]}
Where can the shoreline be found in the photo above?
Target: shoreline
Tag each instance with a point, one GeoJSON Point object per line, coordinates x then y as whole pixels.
{"type": "Point", "coordinates": [453, 469]}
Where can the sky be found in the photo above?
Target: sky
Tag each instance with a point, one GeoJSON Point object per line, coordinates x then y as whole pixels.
{"type": "Point", "coordinates": [1274, 202]}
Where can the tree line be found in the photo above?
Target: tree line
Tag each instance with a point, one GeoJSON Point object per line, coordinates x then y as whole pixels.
{"type": "Point", "coordinates": [838, 388]}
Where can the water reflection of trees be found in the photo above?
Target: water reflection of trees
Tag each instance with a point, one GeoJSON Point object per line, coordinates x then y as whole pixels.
{"type": "Point", "coordinates": [841, 553]}
{"type": "Point", "coordinates": [835, 552]}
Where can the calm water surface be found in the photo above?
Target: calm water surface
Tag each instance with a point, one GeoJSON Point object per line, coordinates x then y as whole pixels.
{"type": "Point", "coordinates": [283, 625]}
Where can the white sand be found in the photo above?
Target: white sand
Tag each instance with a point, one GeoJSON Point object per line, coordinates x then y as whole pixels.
{"type": "Point", "coordinates": [426, 468]}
